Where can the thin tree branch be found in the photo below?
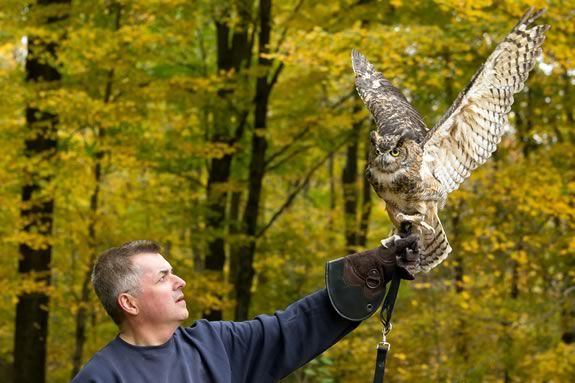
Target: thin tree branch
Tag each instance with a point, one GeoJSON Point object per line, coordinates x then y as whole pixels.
{"type": "Point", "coordinates": [287, 158]}
{"type": "Point", "coordinates": [290, 18]}
{"type": "Point", "coordinates": [287, 146]}
{"type": "Point", "coordinates": [276, 75]}
{"type": "Point", "coordinates": [301, 134]}
{"type": "Point", "coordinates": [251, 40]}
{"type": "Point", "coordinates": [241, 126]}
{"type": "Point", "coordinates": [567, 291]}
{"type": "Point", "coordinates": [203, 53]}
{"type": "Point", "coordinates": [299, 188]}
{"type": "Point", "coordinates": [339, 102]}
{"type": "Point", "coordinates": [335, 20]}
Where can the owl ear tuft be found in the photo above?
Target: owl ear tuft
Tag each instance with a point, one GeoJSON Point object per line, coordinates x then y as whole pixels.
{"type": "Point", "coordinates": [373, 136]}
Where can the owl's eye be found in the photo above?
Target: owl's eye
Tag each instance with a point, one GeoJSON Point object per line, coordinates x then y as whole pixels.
{"type": "Point", "coordinates": [394, 152]}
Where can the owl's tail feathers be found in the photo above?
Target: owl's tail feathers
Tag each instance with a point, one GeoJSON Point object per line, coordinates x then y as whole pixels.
{"type": "Point", "coordinates": [435, 247]}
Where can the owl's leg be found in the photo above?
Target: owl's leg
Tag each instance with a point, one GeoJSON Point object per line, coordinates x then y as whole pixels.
{"type": "Point", "coordinates": [417, 219]}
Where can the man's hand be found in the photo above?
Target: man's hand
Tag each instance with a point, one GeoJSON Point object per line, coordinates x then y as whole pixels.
{"type": "Point", "coordinates": [356, 283]}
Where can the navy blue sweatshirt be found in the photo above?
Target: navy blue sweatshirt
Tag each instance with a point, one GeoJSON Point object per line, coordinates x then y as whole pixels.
{"type": "Point", "coordinates": [261, 350]}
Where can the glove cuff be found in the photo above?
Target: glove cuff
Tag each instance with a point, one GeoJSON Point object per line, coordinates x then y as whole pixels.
{"type": "Point", "coordinates": [350, 301]}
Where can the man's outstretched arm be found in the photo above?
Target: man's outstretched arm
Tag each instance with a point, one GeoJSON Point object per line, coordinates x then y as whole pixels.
{"type": "Point", "coordinates": [272, 346]}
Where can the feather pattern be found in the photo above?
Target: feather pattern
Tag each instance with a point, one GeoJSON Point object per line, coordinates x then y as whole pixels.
{"type": "Point", "coordinates": [412, 168]}
{"type": "Point", "coordinates": [436, 246]}
{"type": "Point", "coordinates": [467, 135]}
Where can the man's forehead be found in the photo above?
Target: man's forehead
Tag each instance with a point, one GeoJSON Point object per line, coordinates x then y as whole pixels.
{"type": "Point", "coordinates": [151, 262]}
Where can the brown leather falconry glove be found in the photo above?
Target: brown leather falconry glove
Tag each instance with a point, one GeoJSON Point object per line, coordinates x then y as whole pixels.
{"type": "Point", "coordinates": [356, 283]}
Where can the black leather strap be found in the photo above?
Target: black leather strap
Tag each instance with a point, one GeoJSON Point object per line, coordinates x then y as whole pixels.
{"type": "Point", "coordinates": [385, 317]}
{"type": "Point", "coordinates": [389, 302]}
{"type": "Point", "coordinates": [382, 350]}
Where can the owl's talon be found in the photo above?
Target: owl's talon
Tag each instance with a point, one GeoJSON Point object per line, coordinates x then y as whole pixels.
{"type": "Point", "coordinates": [427, 226]}
{"type": "Point", "coordinates": [402, 217]}
{"type": "Point", "coordinates": [386, 243]}
{"type": "Point", "coordinates": [417, 219]}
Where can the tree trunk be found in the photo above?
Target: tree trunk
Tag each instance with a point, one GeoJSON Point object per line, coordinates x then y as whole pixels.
{"type": "Point", "coordinates": [37, 214]}
{"type": "Point", "coordinates": [365, 206]}
{"type": "Point", "coordinates": [459, 270]}
{"type": "Point", "coordinates": [233, 54]}
{"type": "Point", "coordinates": [568, 105]}
{"type": "Point", "coordinates": [215, 221]}
{"type": "Point", "coordinates": [245, 273]}
{"type": "Point", "coordinates": [568, 321]}
{"type": "Point", "coordinates": [330, 170]}
{"type": "Point", "coordinates": [460, 332]}
{"type": "Point", "coordinates": [349, 183]}
{"type": "Point", "coordinates": [82, 314]}
{"type": "Point", "coordinates": [568, 309]}
{"type": "Point", "coordinates": [356, 223]}
{"type": "Point", "coordinates": [234, 231]}
{"type": "Point", "coordinates": [524, 120]}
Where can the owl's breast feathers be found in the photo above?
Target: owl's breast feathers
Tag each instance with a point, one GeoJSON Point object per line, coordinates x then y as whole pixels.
{"type": "Point", "coordinates": [400, 188]}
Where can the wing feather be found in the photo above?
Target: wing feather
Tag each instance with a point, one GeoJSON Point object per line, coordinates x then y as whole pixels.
{"type": "Point", "coordinates": [392, 113]}
{"type": "Point", "coordinates": [468, 133]}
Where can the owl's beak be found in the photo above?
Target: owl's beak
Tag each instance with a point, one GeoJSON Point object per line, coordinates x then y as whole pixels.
{"type": "Point", "coordinates": [383, 161]}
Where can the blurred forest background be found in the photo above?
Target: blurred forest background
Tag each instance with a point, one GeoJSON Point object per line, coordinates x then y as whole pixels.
{"type": "Point", "coordinates": [230, 132]}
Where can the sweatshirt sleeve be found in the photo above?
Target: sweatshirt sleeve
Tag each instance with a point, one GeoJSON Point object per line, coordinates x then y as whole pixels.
{"type": "Point", "coordinates": [270, 347]}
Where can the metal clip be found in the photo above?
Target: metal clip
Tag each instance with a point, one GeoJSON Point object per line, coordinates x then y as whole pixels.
{"type": "Point", "coordinates": [384, 345]}
{"type": "Point", "coordinates": [385, 320]}
{"type": "Point", "coordinates": [387, 326]}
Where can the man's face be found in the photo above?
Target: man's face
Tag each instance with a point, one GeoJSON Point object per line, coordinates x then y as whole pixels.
{"type": "Point", "coordinates": [160, 299]}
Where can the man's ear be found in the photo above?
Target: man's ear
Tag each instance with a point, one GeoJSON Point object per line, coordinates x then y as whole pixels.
{"type": "Point", "coordinates": [128, 303]}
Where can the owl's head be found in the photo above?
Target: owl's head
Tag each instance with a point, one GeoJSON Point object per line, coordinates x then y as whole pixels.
{"type": "Point", "coordinates": [391, 152]}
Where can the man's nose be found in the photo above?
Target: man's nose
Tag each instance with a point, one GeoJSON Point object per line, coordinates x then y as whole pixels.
{"type": "Point", "coordinates": [180, 283]}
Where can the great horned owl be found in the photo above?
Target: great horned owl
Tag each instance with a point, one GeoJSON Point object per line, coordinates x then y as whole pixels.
{"type": "Point", "coordinates": [413, 168]}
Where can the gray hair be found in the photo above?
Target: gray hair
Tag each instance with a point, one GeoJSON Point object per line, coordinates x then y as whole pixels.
{"type": "Point", "coordinates": [114, 274]}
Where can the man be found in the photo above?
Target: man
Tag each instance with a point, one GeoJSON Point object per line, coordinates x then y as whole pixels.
{"type": "Point", "coordinates": [144, 297]}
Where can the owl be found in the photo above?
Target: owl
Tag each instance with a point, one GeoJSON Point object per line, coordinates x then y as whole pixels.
{"type": "Point", "coordinates": [413, 169]}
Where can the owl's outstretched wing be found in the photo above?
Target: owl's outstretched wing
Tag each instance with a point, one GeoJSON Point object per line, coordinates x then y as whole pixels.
{"type": "Point", "coordinates": [467, 135]}
{"type": "Point", "coordinates": [392, 113]}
